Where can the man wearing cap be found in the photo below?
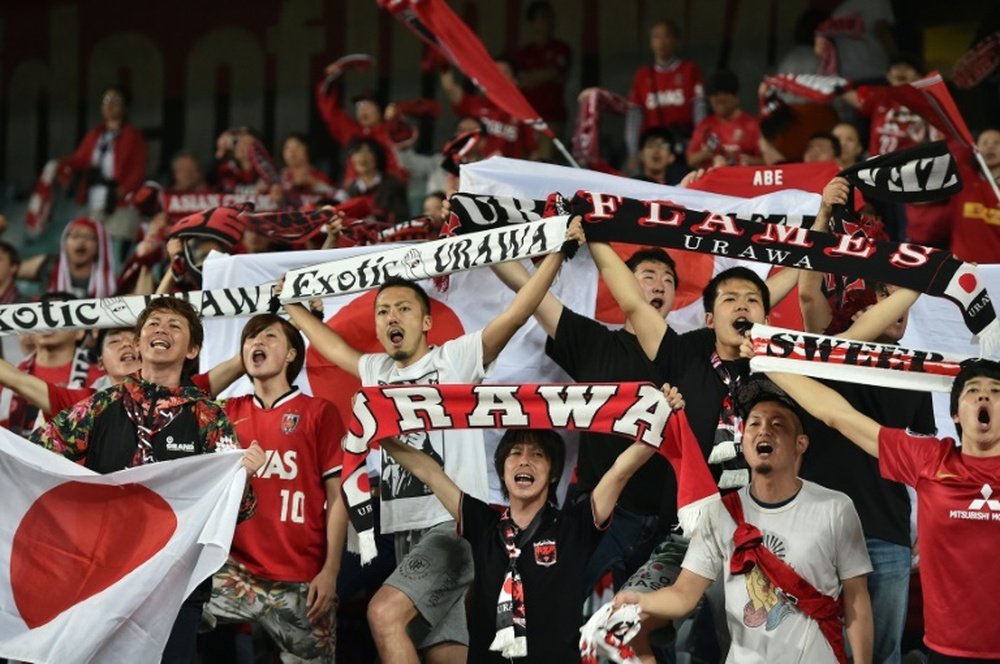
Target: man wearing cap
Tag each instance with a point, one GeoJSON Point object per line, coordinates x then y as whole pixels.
{"type": "Point", "coordinates": [957, 515]}
{"type": "Point", "coordinates": [727, 137]}
{"type": "Point", "coordinates": [790, 553]}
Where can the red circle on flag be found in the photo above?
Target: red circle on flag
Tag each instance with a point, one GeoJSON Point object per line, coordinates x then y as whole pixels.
{"type": "Point", "coordinates": [78, 539]}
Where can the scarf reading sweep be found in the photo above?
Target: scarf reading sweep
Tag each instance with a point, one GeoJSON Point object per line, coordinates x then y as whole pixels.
{"type": "Point", "coordinates": [632, 410]}
{"type": "Point", "coordinates": [864, 362]}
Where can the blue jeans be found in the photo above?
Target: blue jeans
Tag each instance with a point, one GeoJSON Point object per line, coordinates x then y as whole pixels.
{"type": "Point", "coordinates": [626, 545]}
{"type": "Point", "coordinates": [889, 587]}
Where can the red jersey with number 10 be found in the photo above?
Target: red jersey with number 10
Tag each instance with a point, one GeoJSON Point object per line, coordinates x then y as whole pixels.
{"type": "Point", "coordinates": [301, 436]}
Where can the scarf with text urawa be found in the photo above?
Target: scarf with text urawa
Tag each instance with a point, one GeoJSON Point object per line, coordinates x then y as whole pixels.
{"type": "Point", "coordinates": [610, 218]}
{"type": "Point", "coordinates": [633, 410]}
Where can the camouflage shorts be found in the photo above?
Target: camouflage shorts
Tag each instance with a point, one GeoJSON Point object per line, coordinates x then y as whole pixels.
{"type": "Point", "coordinates": [279, 607]}
{"type": "Point", "coordinates": [662, 568]}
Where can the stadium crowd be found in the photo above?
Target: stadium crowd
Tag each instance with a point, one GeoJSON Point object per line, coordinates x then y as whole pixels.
{"type": "Point", "coordinates": [811, 556]}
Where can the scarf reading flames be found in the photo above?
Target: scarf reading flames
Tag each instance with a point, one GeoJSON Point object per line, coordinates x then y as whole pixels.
{"type": "Point", "coordinates": [613, 218]}
{"type": "Point", "coordinates": [633, 410]}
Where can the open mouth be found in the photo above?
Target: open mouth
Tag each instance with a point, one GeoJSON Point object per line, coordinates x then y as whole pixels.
{"type": "Point", "coordinates": [128, 357]}
{"type": "Point", "coordinates": [159, 343]}
{"type": "Point", "coordinates": [396, 337]}
{"type": "Point", "coordinates": [764, 448]}
{"type": "Point", "coordinates": [656, 303]}
{"type": "Point", "coordinates": [524, 479]}
{"type": "Point", "coordinates": [984, 418]}
{"type": "Point", "coordinates": [258, 356]}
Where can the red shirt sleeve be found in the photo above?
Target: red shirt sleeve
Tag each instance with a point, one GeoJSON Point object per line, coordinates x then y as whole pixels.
{"type": "Point", "coordinates": [202, 382]}
{"type": "Point", "coordinates": [340, 125]}
{"type": "Point", "coordinates": [902, 457]}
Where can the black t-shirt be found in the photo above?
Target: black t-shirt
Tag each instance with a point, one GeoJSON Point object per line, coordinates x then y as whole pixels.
{"type": "Point", "coordinates": [837, 463]}
{"type": "Point", "coordinates": [685, 361]}
{"type": "Point", "coordinates": [553, 594]}
{"type": "Point", "coordinates": [590, 352]}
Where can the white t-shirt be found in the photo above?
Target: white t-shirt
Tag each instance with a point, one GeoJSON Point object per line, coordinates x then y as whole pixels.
{"type": "Point", "coordinates": [406, 503]}
{"type": "Point", "coordinates": [819, 534]}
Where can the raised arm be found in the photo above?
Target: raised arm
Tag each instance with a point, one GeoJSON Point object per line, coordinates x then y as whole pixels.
{"type": "Point", "coordinates": [330, 344]}
{"type": "Point", "coordinates": [498, 332]}
{"type": "Point", "coordinates": [427, 471]}
{"type": "Point", "coordinates": [816, 312]}
{"type": "Point", "coordinates": [32, 389]}
{"type": "Point", "coordinates": [873, 322]}
{"type": "Point", "coordinates": [781, 283]}
{"type": "Point", "coordinates": [224, 374]}
{"type": "Point", "coordinates": [612, 483]}
{"type": "Point", "coordinates": [605, 494]}
{"type": "Point", "coordinates": [514, 276]}
{"type": "Point", "coordinates": [831, 408]}
{"type": "Point", "coordinates": [647, 322]}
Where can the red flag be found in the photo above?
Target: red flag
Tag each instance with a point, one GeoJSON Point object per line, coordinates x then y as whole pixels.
{"type": "Point", "coordinates": [436, 23]}
{"type": "Point", "coordinates": [929, 98]}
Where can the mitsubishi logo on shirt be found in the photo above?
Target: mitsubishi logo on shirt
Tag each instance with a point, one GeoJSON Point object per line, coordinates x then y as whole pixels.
{"type": "Point", "coordinates": [986, 508]}
{"type": "Point", "coordinates": [986, 501]}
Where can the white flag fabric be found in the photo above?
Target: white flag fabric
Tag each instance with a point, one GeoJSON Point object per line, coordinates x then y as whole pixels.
{"type": "Point", "coordinates": [99, 565]}
{"type": "Point", "coordinates": [500, 176]}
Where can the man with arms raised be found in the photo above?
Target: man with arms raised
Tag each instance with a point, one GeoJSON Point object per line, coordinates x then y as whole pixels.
{"type": "Point", "coordinates": [590, 352]}
{"type": "Point", "coordinates": [956, 508]}
{"type": "Point", "coordinates": [426, 592]}
{"type": "Point", "coordinates": [790, 553]}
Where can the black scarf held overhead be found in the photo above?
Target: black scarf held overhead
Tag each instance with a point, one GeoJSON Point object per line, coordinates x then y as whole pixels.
{"type": "Point", "coordinates": [609, 218]}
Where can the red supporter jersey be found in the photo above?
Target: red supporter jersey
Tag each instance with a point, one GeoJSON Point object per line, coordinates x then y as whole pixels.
{"type": "Point", "coordinates": [546, 98]}
{"type": "Point", "coordinates": [958, 519]}
{"type": "Point", "coordinates": [893, 126]}
{"type": "Point", "coordinates": [667, 94]}
{"type": "Point", "coordinates": [61, 397]}
{"type": "Point", "coordinates": [301, 436]}
{"type": "Point", "coordinates": [968, 223]}
{"type": "Point", "coordinates": [343, 129]}
{"type": "Point", "coordinates": [504, 133]}
{"type": "Point", "coordinates": [737, 138]}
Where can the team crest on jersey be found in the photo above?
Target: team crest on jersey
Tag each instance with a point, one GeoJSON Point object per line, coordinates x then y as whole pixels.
{"type": "Point", "coordinates": [545, 553]}
{"type": "Point", "coordinates": [288, 422]}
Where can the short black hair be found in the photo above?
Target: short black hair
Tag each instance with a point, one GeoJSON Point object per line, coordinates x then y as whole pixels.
{"type": "Point", "coordinates": [358, 142]}
{"type": "Point", "coordinates": [758, 389]}
{"type": "Point", "coordinates": [827, 136]}
{"type": "Point", "coordinates": [301, 138]}
{"type": "Point", "coordinates": [102, 336]}
{"type": "Point", "coordinates": [655, 255]}
{"type": "Point", "coordinates": [258, 323]}
{"type": "Point", "coordinates": [549, 441]}
{"type": "Point", "coordinates": [969, 369]}
{"type": "Point", "coordinates": [671, 25]}
{"type": "Point", "coordinates": [661, 133]}
{"type": "Point", "coordinates": [399, 282]}
{"type": "Point", "coordinates": [711, 291]}
{"type": "Point", "coordinates": [537, 6]}
{"type": "Point", "coordinates": [724, 80]}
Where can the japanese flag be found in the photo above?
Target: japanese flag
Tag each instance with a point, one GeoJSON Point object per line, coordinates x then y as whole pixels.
{"type": "Point", "coordinates": [96, 566]}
